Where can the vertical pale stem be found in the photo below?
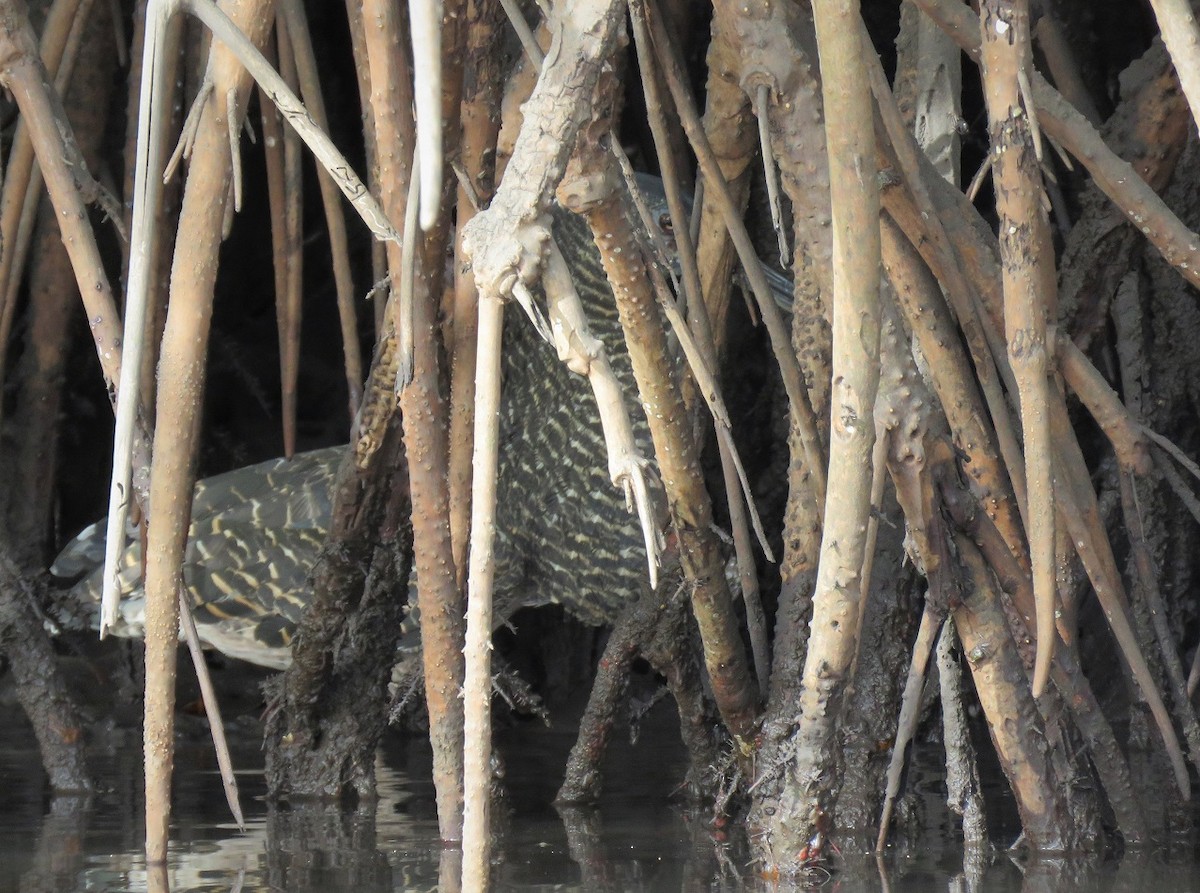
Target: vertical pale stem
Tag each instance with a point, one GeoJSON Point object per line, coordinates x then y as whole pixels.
{"type": "Point", "coordinates": [477, 720]}
{"type": "Point", "coordinates": [1027, 268]}
{"type": "Point", "coordinates": [837, 600]}
{"type": "Point", "coordinates": [181, 392]}
{"type": "Point", "coordinates": [481, 125]}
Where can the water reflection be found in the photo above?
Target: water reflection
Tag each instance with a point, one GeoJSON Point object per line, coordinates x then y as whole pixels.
{"type": "Point", "coordinates": [634, 841]}
{"type": "Point", "coordinates": [58, 856]}
{"type": "Point", "coordinates": [305, 847]}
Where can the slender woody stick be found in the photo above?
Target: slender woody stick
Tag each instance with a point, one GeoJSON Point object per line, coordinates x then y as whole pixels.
{"type": "Point", "coordinates": [477, 720]}
{"type": "Point", "coordinates": [1027, 264]}
{"type": "Point", "coordinates": [335, 219]}
{"type": "Point", "coordinates": [147, 193]}
{"type": "Point", "coordinates": [718, 189]}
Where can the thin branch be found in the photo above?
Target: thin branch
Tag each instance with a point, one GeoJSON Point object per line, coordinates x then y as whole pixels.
{"type": "Point", "coordinates": [477, 722]}
{"type": "Point", "coordinates": [1026, 255]}
{"type": "Point", "coordinates": [1127, 436]}
{"type": "Point", "coordinates": [212, 708]}
{"type": "Point", "coordinates": [22, 179]}
{"type": "Point", "coordinates": [910, 712]}
{"type": "Point", "coordinates": [1174, 452]}
{"type": "Point", "coordinates": [1079, 514]}
{"type": "Point", "coordinates": [482, 84]}
{"type": "Point", "coordinates": [718, 189]}
{"type": "Point", "coordinates": [335, 219]}
{"type": "Point", "coordinates": [964, 792]}
{"type": "Point", "coordinates": [674, 445]}
{"type": "Point", "coordinates": [1177, 484]}
{"type": "Point", "coordinates": [289, 301]}
{"type": "Point", "coordinates": [710, 601]}
{"type": "Point", "coordinates": [1147, 583]}
{"type": "Point", "coordinates": [297, 115]}
{"type": "Point", "coordinates": [761, 103]}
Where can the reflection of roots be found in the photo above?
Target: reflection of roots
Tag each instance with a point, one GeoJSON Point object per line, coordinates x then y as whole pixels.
{"type": "Point", "coordinates": [294, 847]}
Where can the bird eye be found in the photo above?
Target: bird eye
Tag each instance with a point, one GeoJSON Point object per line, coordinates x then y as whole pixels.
{"type": "Point", "coordinates": [664, 224]}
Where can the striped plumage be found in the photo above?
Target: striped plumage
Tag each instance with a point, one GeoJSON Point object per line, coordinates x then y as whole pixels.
{"type": "Point", "coordinates": [564, 533]}
{"type": "Point", "coordinates": [254, 534]}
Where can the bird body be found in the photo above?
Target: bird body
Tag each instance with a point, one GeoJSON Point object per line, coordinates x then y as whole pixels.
{"type": "Point", "coordinates": [564, 533]}
{"type": "Point", "coordinates": [254, 535]}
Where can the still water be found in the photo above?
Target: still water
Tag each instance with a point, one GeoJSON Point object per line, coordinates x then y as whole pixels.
{"type": "Point", "coordinates": [635, 840]}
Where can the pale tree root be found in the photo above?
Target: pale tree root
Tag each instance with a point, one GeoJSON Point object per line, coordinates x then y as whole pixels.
{"type": "Point", "coordinates": [964, 791]}
{"type": "Point", "coordinates": [1016, 727]}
